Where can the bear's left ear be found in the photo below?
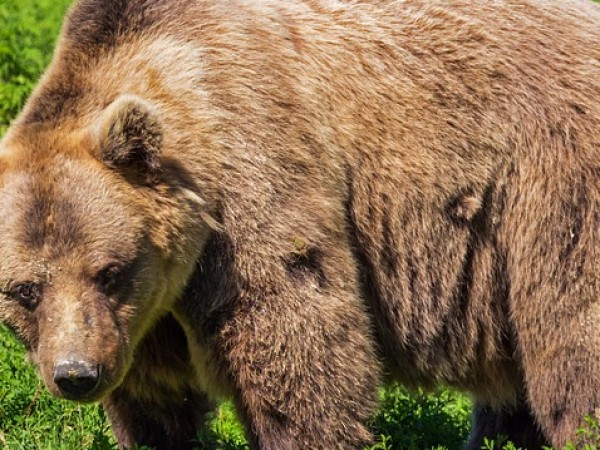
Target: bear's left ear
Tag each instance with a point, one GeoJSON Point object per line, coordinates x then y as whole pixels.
{"type": "Point", "coordinates": [131, 137]}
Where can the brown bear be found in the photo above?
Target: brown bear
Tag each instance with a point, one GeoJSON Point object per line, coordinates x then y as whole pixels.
{"type": "Point", "coordinates": [289, 203]}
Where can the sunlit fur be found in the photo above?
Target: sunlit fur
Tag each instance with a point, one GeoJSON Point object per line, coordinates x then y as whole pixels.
{"type": "Point", "coordinates": [318, 196]}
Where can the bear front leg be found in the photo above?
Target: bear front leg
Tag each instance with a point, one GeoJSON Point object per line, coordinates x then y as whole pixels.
{"type": "Point", "coordinates": [515, 424]}
{"type": "Point", "coordinates": [304, 370]}
{"type": "Point", "coordinates": [157, 404]}
{"type": "Point", "coordinates": [297, 344]}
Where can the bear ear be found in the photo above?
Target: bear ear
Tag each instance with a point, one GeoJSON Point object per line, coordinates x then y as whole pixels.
{"type": "Point", "coordinates": [131, 137]}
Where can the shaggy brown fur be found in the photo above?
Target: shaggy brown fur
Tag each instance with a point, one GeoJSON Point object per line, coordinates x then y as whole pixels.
{"type": "Point", "coordinates": [288, 202]}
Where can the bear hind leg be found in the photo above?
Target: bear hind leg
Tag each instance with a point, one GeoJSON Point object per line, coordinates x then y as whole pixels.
{"type": "Point", "coordinates": [516, 425]}
{"type": "Point", "coordinates": [157, 404]}
{"type": "Point", "coordinates": [165, 426]}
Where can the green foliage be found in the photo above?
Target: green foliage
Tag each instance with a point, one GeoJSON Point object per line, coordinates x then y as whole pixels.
{"type": "Point", "coordinates": [28, 29]}
{"type": "Point", "coordinates": [421, 421]}
{"type": "Point", "coordinates": [224, 431]}
{"type": "Point", "coordinates": [587, 438]}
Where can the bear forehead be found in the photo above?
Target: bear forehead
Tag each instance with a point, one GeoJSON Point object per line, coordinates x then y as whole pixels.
{"type": "Point", "coordinates": [66, 209]}
{"type": "Point", "coordinates": [28, 145]}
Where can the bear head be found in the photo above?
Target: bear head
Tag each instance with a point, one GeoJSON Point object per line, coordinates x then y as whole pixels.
{"type": "Point", "coordinates": [99, 232]}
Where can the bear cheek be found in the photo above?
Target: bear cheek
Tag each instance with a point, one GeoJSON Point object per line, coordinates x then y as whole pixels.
{"type": "Point", "coordinates": [149, 305]}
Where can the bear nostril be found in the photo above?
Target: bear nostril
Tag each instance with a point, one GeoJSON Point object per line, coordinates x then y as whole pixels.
{"type": "Point", "coordinates": [76, 379]}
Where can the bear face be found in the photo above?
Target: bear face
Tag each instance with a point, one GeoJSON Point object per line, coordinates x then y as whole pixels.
{"type": "Point", "coordinates": [85, 269]}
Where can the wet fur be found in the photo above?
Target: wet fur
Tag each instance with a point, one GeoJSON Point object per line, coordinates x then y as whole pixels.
{"type": "Point", "coordinates": [439, 163]}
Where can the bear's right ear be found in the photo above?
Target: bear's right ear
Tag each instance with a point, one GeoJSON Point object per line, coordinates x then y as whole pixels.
{"type": "Point", "coordinates": [131, 137]}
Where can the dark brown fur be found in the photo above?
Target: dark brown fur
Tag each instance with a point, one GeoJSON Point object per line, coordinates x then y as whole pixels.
{"type": "Point", "coordinates": [305, 198]}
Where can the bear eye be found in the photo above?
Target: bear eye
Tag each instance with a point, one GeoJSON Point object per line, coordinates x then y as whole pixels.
{"type": "Point", "coordinates": [108, 278]}
{"type": "Point", "coordinates": [27, 294]}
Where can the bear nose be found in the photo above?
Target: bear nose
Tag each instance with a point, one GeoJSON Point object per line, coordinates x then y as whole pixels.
{"type": "Point", "coordinates": [76, 379]}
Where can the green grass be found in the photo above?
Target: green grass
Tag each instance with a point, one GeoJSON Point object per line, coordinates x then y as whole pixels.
{"type": "Point", "coordinates": [28, 29]}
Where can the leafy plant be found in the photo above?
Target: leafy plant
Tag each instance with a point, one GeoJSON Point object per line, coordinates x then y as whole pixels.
{"type": "Point", "coordinates": [408, 421]}
{"type": "Point", "coordinates": [28, 30]}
